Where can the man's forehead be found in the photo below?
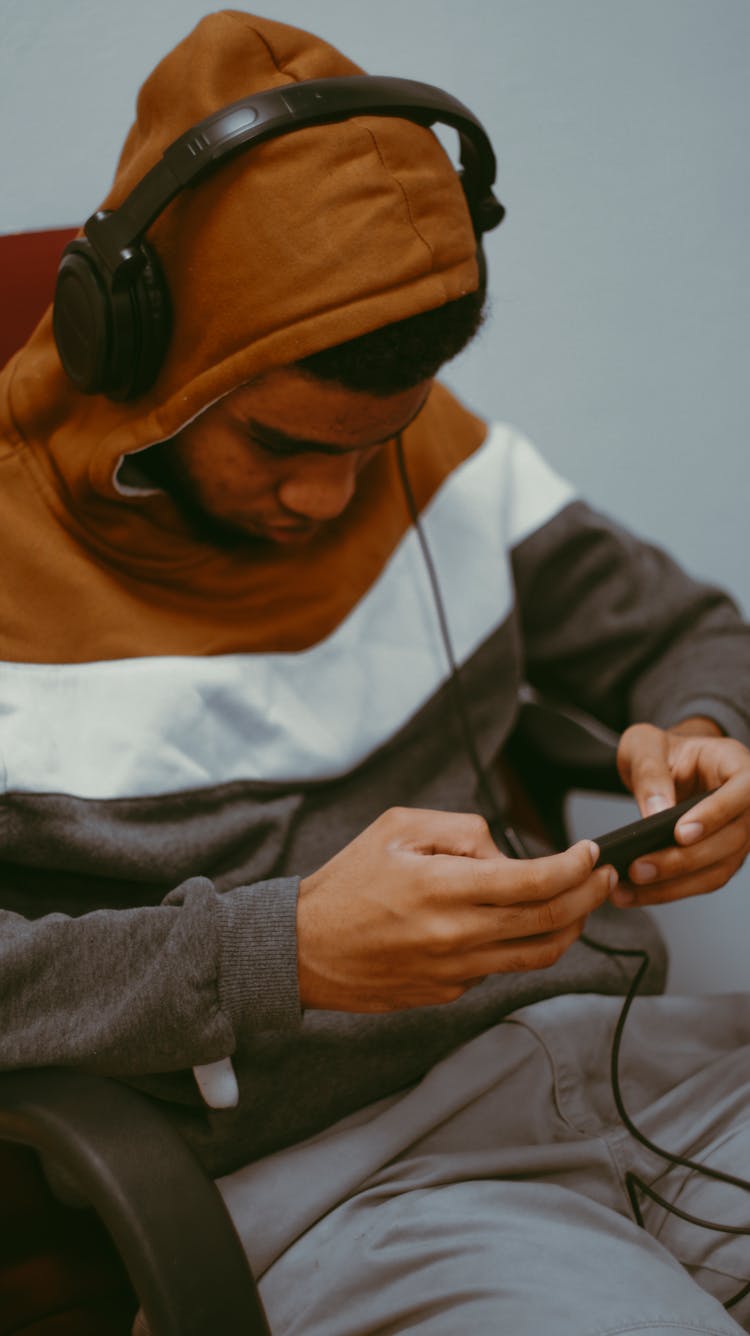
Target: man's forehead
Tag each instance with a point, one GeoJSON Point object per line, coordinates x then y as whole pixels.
{"type": "Point", "coordinates": [272, 434]}
{"type": "Point", "coordinates": [281, 440]}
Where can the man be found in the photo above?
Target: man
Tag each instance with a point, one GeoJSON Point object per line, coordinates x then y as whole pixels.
{"type": "Point", "coordinates": [248, 868]}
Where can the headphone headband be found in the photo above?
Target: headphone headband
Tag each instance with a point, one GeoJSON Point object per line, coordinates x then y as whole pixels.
{"type": "Point", "coordinates": [277, 111]}
{"type": "Point", "coordinates": [111, 304]}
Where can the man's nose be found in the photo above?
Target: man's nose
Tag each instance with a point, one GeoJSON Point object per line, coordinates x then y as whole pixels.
{"type": "Point", "coordinates": [321, 488]}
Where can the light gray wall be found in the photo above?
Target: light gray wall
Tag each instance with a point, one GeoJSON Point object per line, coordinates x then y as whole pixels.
{"type": "Point", "coordinates": [621, 278]}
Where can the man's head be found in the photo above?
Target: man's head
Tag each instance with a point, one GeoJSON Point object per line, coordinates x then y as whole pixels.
{"type": "Point", "coordinates": [277, 458]}
{"type": "Point", "coordinates": [346, 251]}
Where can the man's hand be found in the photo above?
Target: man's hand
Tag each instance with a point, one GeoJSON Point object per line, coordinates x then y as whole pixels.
{"type": "Point", "coordinates": [662, 767]}
{"type": "Point", "coordinates": [422, 904]}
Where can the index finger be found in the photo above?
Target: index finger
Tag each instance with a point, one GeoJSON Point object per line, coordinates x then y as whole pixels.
{"type": "Point", "coordinates": [643, 763]}
{"type": "Point", "coordinates": [506, 881]}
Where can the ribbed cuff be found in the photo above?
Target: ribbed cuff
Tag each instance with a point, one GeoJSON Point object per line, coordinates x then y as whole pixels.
{"type": "Point", "coordinates": [723, 712]}
{"type": "Point", "coordinates": [258, 985]}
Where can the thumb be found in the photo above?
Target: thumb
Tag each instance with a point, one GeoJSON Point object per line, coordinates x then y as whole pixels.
{"type": "Point", "coordinates": [643, 763]}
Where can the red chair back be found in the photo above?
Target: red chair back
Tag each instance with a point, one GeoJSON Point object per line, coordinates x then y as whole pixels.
{"type": "Point", "coordinates": [28, 268]}
{"type": "Point", "coordinates": [59, 1273]}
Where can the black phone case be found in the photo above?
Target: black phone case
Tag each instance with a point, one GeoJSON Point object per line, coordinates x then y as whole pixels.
{"type": "Point", "coordinates": [619, 847]}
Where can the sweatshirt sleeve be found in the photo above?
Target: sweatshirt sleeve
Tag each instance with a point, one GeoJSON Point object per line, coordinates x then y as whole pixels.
{"type": "Point", "coordinates": [614, 625]}
{"type": "Point", "coordinates": [155, 989]}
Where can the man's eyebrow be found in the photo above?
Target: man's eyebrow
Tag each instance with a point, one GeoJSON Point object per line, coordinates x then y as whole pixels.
{"type": "Point", "coordinates": [298, 445]}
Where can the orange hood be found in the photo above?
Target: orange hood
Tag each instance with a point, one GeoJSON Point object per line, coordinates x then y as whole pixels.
{"type": "Point", "coordinates": [299, 243]}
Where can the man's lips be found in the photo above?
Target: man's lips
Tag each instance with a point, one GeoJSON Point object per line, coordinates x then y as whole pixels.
{"type": "Point", "coordinates": [288, 532]}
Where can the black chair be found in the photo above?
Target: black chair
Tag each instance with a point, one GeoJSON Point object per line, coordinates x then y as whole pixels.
{"type": "Point", "coordinates": [166, 1218]}
{"type": "Point", "coordinates": [164, 1215]}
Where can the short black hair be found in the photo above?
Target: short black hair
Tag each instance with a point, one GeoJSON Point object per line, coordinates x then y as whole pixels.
{"type": "Point", "coordinates": [401, 355]}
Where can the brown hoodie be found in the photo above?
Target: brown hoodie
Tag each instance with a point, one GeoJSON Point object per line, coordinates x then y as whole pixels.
{"type": "Point", "coordinates": [298, 244]}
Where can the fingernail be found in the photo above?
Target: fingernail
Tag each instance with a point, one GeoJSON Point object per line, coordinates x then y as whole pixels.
{"type": "Point", "coordinates": [689, 831]}
{"type": "Point", "coordinates": [644, 872]}
{"type": "Point", "coordinates": [656, 802]}
{"type": "Point", "coordinates": [622, 898]}
{"type": "Point", "coordinates": [593, 850]}
{"type": "Point", "coordinates": [613, 878]}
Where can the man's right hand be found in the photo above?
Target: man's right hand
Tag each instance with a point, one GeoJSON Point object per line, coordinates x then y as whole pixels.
{"type": "Point", "coordinates": [422, 904]}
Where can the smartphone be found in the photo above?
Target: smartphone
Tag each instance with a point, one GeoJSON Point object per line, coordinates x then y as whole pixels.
{"type": "Point", "coordinates": [619, 847]}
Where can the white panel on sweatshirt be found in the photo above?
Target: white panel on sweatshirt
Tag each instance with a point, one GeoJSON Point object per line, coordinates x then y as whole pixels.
{"type": "Point", "coordinates": [153, 725]}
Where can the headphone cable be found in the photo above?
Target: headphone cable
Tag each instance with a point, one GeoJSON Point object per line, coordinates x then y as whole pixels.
{"type": "Point", "coordinates": [502, 832]}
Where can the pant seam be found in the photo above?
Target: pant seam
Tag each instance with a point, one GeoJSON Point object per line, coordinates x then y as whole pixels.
{"type": "Point", "coordinates": [613, 1136]}
{"type": "Point", "coordinates": [669, 1322]}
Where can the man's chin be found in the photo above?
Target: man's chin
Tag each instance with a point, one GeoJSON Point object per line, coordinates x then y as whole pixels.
{"type": "Point", "coordinates": [234, 536]}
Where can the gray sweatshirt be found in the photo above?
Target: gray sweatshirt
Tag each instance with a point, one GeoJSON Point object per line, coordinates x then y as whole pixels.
{"type": "Point", "coordinates": [160, 810]}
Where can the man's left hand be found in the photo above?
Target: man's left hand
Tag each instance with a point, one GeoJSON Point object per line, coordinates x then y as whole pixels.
{"type": "Point", "coordinates": [661, 767]}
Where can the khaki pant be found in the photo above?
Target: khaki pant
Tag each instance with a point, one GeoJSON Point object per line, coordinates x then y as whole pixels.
{"type": "Point", "coordinates": [490, 1198]}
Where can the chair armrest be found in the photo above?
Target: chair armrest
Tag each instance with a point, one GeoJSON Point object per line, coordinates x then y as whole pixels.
{"type": "Point", "coordinates": [163, 1212]}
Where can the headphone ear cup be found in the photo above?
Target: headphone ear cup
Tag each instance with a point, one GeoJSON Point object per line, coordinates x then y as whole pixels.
{"type": "Point", "coordinates": [141, 328]}
{"type": "Point", "coordinates": [82, 317]}
{"type": "Point", "coordinates": [111, 335]}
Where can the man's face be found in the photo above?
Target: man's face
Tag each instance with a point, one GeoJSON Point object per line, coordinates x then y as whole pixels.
{"type": "Point", "coordinates": [277, 459]}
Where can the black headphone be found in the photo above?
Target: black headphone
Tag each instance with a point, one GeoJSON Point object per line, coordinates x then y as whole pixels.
{"type": "Point", "coordinates": [111, 315]}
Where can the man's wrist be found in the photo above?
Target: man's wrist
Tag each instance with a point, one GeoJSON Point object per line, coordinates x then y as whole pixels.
{"type": "Point", "coordinates": [698, 725]}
